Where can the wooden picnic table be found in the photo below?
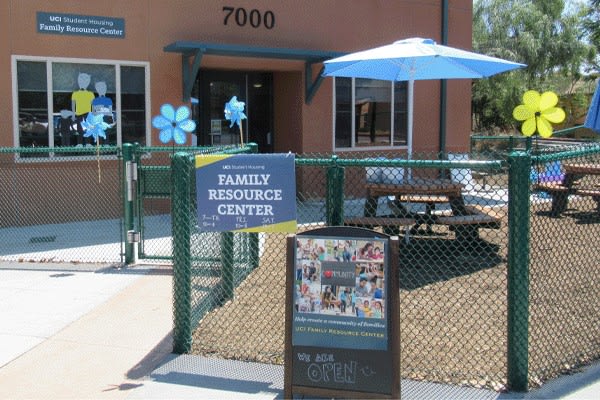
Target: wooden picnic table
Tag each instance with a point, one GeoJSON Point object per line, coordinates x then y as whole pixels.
{"type": "Point", "coordinates": [464, 220]}
{"type": "Point", "coordinates": [560, 190]}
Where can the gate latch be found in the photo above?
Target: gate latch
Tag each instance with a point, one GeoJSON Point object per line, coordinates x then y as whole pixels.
{"type": "Point", "coordinates": [131, 177]}
{"type": "Point", "coordinates": [133, 236]}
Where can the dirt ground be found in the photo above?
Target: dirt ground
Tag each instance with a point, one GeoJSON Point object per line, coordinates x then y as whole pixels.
{"type": "Point", "coordinates": [453, 303]}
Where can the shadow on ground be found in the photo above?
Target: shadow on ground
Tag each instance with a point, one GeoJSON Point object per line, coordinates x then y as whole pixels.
{"type": "Point", "coordinates": [427, 260]}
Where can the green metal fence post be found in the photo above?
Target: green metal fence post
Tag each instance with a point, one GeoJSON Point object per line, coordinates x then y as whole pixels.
{"type": "Point", "coordinates": [518, 271]}
{"type": "Point", "coordinates": [139, 203]}
{"type": "Point", "coordinates": [182, 168]}
{"type": "Point", "coordinates": [335, 194]}
{"type": "Point", "coordinates": [128, 202]}
{"type": "Point", "coordinates": [227, 262]}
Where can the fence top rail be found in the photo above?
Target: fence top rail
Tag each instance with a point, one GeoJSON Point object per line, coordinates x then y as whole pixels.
{"type": "Point", "coordinates": [562, 155]}
{"type": "Point", "coordinates": [196, 149]}
{"type": "Point", "coordinates": [60, 150]}
{"type": "Point", "coordinates": [519, 136]}
{"type": "Point", "coordinates": [481, 136]}
{"type": "Point", "coordinates": [373, 162]}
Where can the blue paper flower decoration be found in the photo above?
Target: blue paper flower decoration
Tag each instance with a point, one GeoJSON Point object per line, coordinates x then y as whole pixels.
{"type": "Point", "coordinates": [94, 126]}
{"type": "Point", "coordinates": [173, 124]}
{"type": "Point", "coordinates": [234, 111]}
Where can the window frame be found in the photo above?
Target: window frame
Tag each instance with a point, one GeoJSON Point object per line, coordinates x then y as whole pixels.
{"type": "Point", "coordinates": [49, 61]}
{"type": "Point", "coordinates": [353, 146]}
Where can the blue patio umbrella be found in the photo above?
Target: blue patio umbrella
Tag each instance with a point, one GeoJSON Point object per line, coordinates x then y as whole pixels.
{"type": "Point", "coordinates": [416, 59]}
{"type": "Point", "coordinates": [592, 120]}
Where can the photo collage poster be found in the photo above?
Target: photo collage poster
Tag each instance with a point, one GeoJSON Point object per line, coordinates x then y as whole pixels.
{"type": "Point", "coordinates": [339, 292]}
{"type": "Point", "coordinates": [340, 277]}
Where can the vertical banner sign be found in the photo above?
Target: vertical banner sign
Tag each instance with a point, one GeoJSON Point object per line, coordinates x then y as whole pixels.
{"type": "Point", "coordinates": [342, 312]}
{"type": "Point", "coordinates": [246, 193]}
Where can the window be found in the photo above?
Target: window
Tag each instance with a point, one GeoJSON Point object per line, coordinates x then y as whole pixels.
{"type": "Point", "coordinates": [369, 113]}
{"type": "Point", "coordinates": [53, 97]}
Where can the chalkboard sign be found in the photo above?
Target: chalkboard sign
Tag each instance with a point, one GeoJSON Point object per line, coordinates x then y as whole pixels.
{"type": "Point", "coordinates": [342, 314]}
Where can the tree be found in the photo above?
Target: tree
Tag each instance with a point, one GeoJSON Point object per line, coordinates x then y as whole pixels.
{"type": "Point", "coordinates": [534, 32]}
{"type": "Point", "coordinates": [591, 24]}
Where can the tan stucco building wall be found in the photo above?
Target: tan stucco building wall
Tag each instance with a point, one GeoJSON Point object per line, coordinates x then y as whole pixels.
{"type": "Point", "coordinates": [336, 25]}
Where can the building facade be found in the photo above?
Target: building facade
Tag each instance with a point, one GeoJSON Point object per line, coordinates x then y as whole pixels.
{"type": "Point", "coordinates": [125, 59]}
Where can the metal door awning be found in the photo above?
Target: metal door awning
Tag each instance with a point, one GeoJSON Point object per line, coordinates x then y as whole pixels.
{"type": "Point", "coordinates": [192, 52]}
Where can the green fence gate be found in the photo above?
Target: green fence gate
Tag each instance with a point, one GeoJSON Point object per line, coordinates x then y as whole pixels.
{"type": "Point", "coordinates": [147, 192]}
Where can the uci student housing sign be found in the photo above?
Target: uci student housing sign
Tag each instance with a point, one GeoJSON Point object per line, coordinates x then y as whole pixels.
{"type": "Point", "coordinates": [84, 25]}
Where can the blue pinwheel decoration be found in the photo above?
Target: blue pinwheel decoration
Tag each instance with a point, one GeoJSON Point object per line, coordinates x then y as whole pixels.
{"type": "Point", "coordinates": [173, 124]}
{"type": "Point", "coordinates": [234, 112]}
{"type": "Point", "coordinates": [94, 126]}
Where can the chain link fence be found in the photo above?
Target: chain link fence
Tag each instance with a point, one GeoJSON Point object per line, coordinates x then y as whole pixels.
{"type": "Point", "coordinates": [565, 261]}
{"type": "Point", "coordinates": [68, 204]}
{"type": "Point", "coordinates": [499, 286]}
{"type": "Point", "coordinates": [61, 205]}
{"type": "Point", "coordinates": [496, 290]}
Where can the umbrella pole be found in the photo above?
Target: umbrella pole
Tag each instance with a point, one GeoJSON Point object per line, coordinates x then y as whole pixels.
{"type": "Point", "coordinates": [409, 135]}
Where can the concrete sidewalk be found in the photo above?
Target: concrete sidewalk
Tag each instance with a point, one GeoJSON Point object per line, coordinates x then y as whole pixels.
{"type": "Point", "coordinates": [89, 332]}
{"type": "Point", "coordinates": [68, 333]}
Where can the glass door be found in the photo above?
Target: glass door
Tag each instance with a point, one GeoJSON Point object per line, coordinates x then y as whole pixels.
{"type": "Point", "coordinates": [216, 88]}
{"type": "Point", "coordinates": [260, 109]}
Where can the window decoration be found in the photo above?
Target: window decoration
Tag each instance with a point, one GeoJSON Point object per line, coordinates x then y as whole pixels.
{"type": "Point", "coordinates": [54, 97]}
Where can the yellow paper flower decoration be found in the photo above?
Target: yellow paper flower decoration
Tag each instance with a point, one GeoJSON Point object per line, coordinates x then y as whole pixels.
{"type": "Point", "coordinates": [538, 112]}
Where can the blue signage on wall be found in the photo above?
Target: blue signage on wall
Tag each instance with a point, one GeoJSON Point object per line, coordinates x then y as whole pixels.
{"type": "Point", "coordinates": [246, 193]}
{"type": "Point", "coordinates": [83, 25]}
